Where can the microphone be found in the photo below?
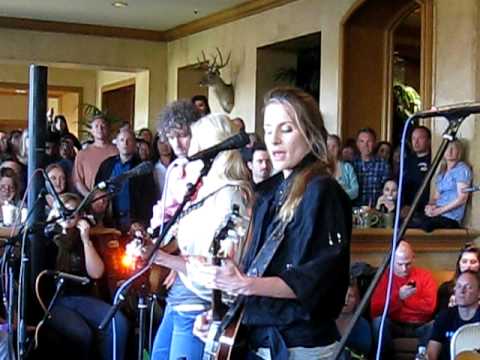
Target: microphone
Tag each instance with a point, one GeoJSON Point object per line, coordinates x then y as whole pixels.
{"type": "Point", "coordinates": [455, 111]}
{"type": "Point", "coordinates": [234, 142]}
{"type": "Point", "coordinates": [143, 168]}
{"type": "Point", "coordinates": [474, 188]}
{"type": "Point", "coordinates": [75, 278]}
{"type": "Point", "coordinates": [64, 212]}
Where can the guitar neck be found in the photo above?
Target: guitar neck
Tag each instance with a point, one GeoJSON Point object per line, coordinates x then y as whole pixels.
{"type": "Point", "coordinates": [218, 308]}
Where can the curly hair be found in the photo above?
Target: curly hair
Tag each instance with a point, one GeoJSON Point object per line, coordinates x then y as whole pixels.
{"type": "Point", "coordinates": [178, 115]}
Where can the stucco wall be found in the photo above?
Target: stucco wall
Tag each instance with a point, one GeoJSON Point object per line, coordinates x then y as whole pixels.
{"type": "Point", "coordinates": [242, 37]}
{"type": "Point", "coordinates": [456, 79]}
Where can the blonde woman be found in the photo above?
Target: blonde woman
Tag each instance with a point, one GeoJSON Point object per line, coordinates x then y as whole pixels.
{"type": "Point", "coordinates": [447, 207]}
{"type": "Point", "coordinates": [290, 311]}
{"type": "Point", "coordinates": [225, 185]}
{"type": "Point", "coordinates": [344, 172]}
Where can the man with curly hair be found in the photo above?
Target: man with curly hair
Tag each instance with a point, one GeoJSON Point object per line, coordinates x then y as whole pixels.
{"type": "Point", "coordinates": [174, 126]}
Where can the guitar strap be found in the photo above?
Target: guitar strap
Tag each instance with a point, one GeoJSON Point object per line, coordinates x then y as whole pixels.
{"type": "Point", "coordinates": [258, 267]}
{"type": "Point", "coordinates": [167, 238]}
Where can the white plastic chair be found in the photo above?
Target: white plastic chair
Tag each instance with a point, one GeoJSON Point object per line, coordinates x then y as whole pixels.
{"type": "Point", "coordinates": [467, 337]}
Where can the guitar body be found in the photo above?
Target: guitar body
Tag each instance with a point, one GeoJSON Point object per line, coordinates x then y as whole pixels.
{"type": "Point", "coordinates": [224, 345]}
{"type": "Point", "coordinates": [228, 340]}
{"type": "Point", "coordinates": [158, 273]}
{"type": "Point", "coordinates": [468, 355]}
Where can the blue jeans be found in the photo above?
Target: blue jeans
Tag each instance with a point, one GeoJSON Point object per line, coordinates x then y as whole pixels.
{"type": "Point", "coordinates": [78, 318]}
{"type": "Point", "coordinates": [175, 339]}
{"type": "Point", "coordinates": [360, 339]}
{"type": "Point", "coordinates": [393, 330]}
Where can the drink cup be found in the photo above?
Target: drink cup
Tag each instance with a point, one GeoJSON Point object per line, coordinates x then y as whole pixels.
{"type": "Point", "coordinates": [8, 211]}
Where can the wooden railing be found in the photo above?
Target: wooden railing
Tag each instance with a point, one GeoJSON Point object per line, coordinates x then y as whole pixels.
{"type": "Point", "coordinates": [437, 250]}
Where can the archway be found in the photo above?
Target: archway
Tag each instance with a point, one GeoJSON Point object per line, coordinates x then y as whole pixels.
{"type": "Point", "coordinates": [368, 49]}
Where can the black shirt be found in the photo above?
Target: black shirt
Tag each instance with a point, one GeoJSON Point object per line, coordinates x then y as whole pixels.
{"type": "Point", "coordinates": [415, 170]}
{"type": "Point", "coordinates": [446, 323]}
{"type": "Point", "coordinates": [70, 258]}
{"type": "Point", "coordinates": [313, 260]}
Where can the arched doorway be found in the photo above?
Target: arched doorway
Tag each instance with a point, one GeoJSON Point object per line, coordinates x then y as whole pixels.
{"type": "Point", "coordinates": [375, 36]}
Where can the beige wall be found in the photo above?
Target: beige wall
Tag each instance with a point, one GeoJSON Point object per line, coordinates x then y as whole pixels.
{"type": "Point", "coordinates": [456, 79]}
{"type": "Point", "coordinates": [243, 37]}
{"type": "Point", "coordinates": [70, 109]}
{"type": "Point", "coordinates": [95, 53]}
{"type": "Point", "coordinates": [13, 107]}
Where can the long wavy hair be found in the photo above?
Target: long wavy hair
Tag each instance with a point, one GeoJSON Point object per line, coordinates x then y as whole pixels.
{"type": "Point", "coordinates": [210, 130]}
{"type": "Point", "coordinates": [304, 111]}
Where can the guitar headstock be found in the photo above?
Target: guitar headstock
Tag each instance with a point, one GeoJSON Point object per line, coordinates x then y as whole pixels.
{"type": "Point", "coordinates": [229, 233]}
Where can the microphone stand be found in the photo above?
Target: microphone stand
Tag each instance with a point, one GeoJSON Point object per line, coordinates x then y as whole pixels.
{"type": "Point", "coordinates": [448, 136]}
{"type": "Point", "coordinates": [142, 310]}
{"type": "Point", "coordinates": [22, 290]}
{"type": "Point", "coordinates": [207, 164]}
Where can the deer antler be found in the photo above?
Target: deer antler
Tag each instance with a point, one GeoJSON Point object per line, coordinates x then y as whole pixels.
{"type": "Point", "coordinates": [222, 64]}
{"type": "Point", "coordinates": [211, 65]}
{"type": "Point", "coordinates": [201, 63]}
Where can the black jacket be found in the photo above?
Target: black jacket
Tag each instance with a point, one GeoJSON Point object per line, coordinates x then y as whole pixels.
{"type": "Point", "coordinates": [142, 189]}
{"type": "Point", "coordinates": [313, 260]}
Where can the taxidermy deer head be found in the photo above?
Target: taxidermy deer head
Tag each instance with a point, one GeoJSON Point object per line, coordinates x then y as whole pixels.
{"type": "Point", "coordinates": [223, 92]}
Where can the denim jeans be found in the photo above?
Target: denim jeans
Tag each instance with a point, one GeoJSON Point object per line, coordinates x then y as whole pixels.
{"type": "Point", "coordinates": [78, 318]}
{"type": "Point", "coordinates": [175, 339]}
{"type": "Point", "coordinates": [393, 330]}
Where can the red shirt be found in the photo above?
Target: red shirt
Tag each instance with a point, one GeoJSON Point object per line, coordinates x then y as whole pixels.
{"type": "Point", "coordinates": [418, 308]}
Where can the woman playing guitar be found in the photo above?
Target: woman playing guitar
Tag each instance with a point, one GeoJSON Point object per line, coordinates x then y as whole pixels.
{"type": "Point", "coordinates": [225, 185]}
{"type": "Point", "coordinates": [291, 300]}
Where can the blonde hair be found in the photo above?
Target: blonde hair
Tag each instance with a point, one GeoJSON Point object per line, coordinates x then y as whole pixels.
{"type": "Point", "coordinates": [304, 111]}
{"type": "Point", "coordinates": [211, 130]}
{"type": "Point", "coordinates": [443, 164]}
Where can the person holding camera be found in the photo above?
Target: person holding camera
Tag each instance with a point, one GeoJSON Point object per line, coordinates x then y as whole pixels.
{"type": "Point", "coordinates": [413, 300]}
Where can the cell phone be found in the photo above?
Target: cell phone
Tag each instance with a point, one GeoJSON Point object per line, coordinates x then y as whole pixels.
{"type": "Point", "coordinates": [412, 283]}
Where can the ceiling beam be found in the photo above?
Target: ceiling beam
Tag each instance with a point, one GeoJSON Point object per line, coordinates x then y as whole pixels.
{"type": "Point", "coordinates": [246, 9]}
{"type": "Point", "coordinates": [76, 28]}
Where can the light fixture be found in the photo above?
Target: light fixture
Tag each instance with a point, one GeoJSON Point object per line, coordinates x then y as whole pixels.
{"type": "Point", "coordinates": [120, 4]}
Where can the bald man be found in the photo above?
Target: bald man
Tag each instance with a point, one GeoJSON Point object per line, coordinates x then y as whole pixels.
{"type": "Point", "coordinates": [413, 299]}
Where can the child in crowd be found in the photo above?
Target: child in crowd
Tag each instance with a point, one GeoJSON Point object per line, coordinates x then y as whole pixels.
{"type": "Point", "coordinates": [387, 201]}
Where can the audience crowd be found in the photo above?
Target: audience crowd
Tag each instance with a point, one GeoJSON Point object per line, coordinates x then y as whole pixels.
{"type": "Point", "coordinates": [367, 169]}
